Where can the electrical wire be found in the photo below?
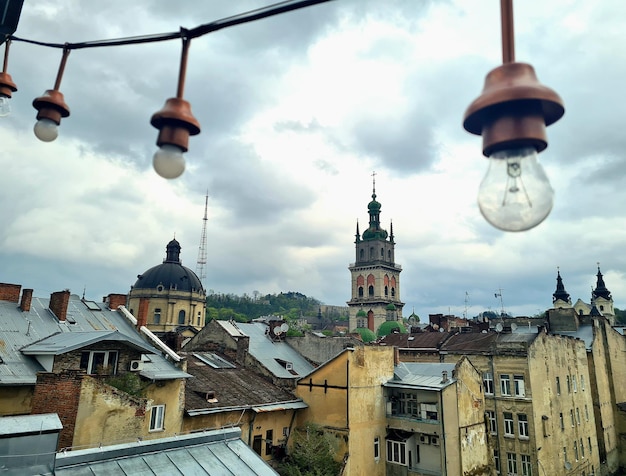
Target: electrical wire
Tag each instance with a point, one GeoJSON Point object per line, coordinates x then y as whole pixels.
{"type": "Point", "coordinates": [201, 30]}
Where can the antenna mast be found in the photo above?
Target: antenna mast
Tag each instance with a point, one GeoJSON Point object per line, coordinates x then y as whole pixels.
{"type": "Point", "coordinates": [202, 248]}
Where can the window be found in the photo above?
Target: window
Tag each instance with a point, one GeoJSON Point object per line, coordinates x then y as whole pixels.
{"type": "Point", "coordinates": [527, 469]}
{"type": "Point", "coordinates": [371, 291]}
{"type": "Point", "coordinates": [518, 386]}
{"type": "Point", "coordinates": [408, 404]}
{"type": "Point", "coordinates": [558, 386]}
{"type": "Point", "coordinates": [522, 425]}
{"type": "Point", "coordinates": [157, 412]}
{"type": "Point", "coordinates": [565, 454]}
{"type": "Point", "coordinates": [256, 444]}
{"type": "Point", "coordinates": [269, 441]}
{"type": "Point", "coordinates": [157, 316]}
{"type": "Point", "coordinates": [488, 383]}
{"type": "Point", "coordinates": [575, 450]}
{"type": "Point", "coordinates": [508, 424]}
{"type": "Point", "coordinates": [561, 421]}
{"type": "Point", "coordinates": [571, 416]}
{"type": "Point", "coordinates": [586, 412]}
{"type": "Point", "coordinates": [386, 291]}
{"type": "Point", "coordinates": [569, 388]}
{"type": "Point", "coordinates": [181, 316]}
{"type": "Point", "coordinates": [505, 384]}
{"type": "Point", "coordinates": [589, 444]}
{"type": "Point", "coordinates": [574, 384]}
{"type": "Point", "coordinates": [101, 362]}
{"type": "Point", "coordinates": [377, 448]}
{"type": "Point", "coordinates": [578, 415]}
{"type": "Point", "coordinates": [429, 411]}
{"type": "Point", "coordinates": [396, 452]}
{"type": "Point", "coordinates": [582, 449]}
{"type": "Point", "coordinates": [582, 383]}
{"type": "Point", "coordinates": [360, 291]}
{"type": "Point", "coordinates": [492, 422]}
{"type": "Point", "coordinates": [511, 463]}
{"type": "Point", "coordinates": [496, 460]}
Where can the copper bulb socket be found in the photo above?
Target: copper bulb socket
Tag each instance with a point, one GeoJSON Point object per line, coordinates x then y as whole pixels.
{"type": "Point", "coordinates": [175, 123]}
{"type": "Point", "coordinates": [51, 106]}
{"type": "Point", "coordinates": [7, 86]}
{"type": "Point", "coordinates": [513, 109]}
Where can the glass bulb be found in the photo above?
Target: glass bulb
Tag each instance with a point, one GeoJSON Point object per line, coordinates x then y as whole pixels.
{"type": "Point", "coordinates": [168, 161]}
{"type": "Point", "coordinates": [46, 130]}
{"type": "Point", "coordinates": [5, 105]}
{"type": "Point", "coordinates": [515, 194]}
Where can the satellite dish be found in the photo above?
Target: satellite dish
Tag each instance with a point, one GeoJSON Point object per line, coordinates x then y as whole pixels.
{"type": "Point", "coordinates": [513, 326]}
{"type": "Point", "coordinates": [441, 329]}
{"type": "Point", "coordinates": [284, 327]}
{"type": "Point", "coordinates": [568, 465]}
{"type": "Point", "coordinates": [499, 327]}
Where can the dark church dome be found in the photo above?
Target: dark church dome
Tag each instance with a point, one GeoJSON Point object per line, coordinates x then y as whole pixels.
{"type": "Point", "coordinates": [171, 274]}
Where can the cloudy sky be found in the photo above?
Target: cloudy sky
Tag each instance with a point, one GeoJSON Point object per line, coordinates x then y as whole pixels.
{"type": "Point", "coordinates": [296, 112]}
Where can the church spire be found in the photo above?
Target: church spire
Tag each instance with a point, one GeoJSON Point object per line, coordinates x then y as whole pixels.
{"type": "Point", "coordinates": [358, 234]}
{"type": "Point", "coordinates": [560, 293]}
{"type": "Point", "coordinates": [374, 232]}
{"type": "Point", "coordinates": [601, 290]}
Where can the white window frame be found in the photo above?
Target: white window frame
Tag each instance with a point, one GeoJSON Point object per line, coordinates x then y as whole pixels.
{"type": "Point", "coordinates": [396, 452]}
{"type": "Point", "coordinates": [157, 418]}
{"type": "Point", "coordinates": [518, 386]}
{"type": "Point", "coordinates": [376, 448]}
{"type": "Point", "coordinates": [511, 463]}
{"type": "Point", "coordinates": [522, 425]}
{"type": "Point", "coordinates": [505, 385]}
{"type": "Point", "coordinates": [509, 428]}
{"type": "Point", "coordinates": [493, 422]}
{"type": "Point", "coordinates": [527, 468]}
{"type": "Point", "coordinates": [110, 356]}
{"type": "Point", "coordinates": [488, 383]}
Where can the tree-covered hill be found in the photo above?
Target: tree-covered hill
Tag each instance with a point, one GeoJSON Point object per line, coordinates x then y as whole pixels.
{"type": "Point", "coordinates": [290, 305]}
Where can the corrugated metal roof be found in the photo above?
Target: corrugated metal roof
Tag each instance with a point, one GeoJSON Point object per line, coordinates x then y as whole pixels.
{"type": "Point", "coordinates": [231, 328]}
{"type": "Point", "coordinates": [270, 353]}
{"type": "Point", "coordinates": [24, 424]}
{"type": "Point", "coordinates": [64, 342]}
{"type": "Point", "coordinates": [295, 405]}
{"type": "Point", "coordinates": [218, 452]}
{"type": "Point", "coordinates": [19, 330]}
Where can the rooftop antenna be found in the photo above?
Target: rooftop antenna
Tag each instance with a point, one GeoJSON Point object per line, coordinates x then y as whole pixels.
{"type": "Point", "coordinates": [499, 295]}
{"type": "Point", "coordinates": [200, 271]}
{"type": "Point", "coordinates": [466, 303]}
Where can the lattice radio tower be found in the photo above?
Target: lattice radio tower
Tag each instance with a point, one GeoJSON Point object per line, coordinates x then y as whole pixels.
{"type": "Point", "coordinates": [200, 271]}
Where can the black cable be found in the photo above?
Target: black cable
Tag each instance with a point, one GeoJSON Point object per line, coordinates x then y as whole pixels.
{"type": "Point", "coordinates": [246, 17]}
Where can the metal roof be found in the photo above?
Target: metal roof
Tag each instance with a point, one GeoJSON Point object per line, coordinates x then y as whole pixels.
{"type": "Point", "coordinates": [584, 333]}
{"type": "Point", "coordinates": [421, 375]}
{"type": "Point", "coordinates": [39, 330]}
{"type": "Point", "coordinates": [270, 353]}
{"type": "Point", "coordinates": [217, 452]}
{"type": "Point", "coordinates": [25, 424]}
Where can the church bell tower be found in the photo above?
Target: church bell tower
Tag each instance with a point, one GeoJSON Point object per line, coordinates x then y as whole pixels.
{"type": "Point", "coordinates": [375, 274]}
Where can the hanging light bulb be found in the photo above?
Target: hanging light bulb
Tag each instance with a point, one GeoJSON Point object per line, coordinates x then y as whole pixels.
{"type": "Point", "coordinates": [175, 123]}
{"type": "Point", "coordinates": [168, 161]}
{"type": "Point", "coordinates": [7, 86]}
{"type": "Point", "coordinates": [511, 114]}
{"type": "Point", "coordinates": [515, 194]}
{"type": "Point", "coordinates": [51, 107]}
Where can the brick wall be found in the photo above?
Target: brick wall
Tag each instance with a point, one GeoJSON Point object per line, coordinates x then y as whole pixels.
{"type": "Point", "coordinates": [10, 292]}
{"type": "Point", "coordinates": [27, 298]}
{"type": "Point", "coordinates": [115, 300]}
{"type": "Point", "coordinates": [58, 304]}
{"type": "Point", "coordinates": [60, 394]}
{"type": "Point", "coordinates": [142, 313]}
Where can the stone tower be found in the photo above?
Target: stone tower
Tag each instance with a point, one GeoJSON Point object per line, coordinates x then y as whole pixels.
{"type": "Point", "coordinates": [375, 275]}
{"type": "Point", "coordinates": [561, 298]}
{"type": "Point", "coordinates": [601, 298]}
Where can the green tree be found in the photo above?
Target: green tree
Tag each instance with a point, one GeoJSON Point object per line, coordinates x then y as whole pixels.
{"type": "Point", "coordinates": [312, 454]}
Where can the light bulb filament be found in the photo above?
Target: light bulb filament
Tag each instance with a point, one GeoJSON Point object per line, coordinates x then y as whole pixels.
{"type": "Point", "coordinates": [514, 177]}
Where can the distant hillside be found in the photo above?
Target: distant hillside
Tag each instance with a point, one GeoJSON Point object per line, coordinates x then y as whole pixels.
{"type": "Point", "coordinates": [290, 305]}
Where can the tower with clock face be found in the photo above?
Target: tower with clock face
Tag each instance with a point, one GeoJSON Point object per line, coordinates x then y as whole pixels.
{"type": "Point", "coordinates": [375, 275]}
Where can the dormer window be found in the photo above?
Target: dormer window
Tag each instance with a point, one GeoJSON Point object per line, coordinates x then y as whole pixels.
{"type": "Point", "coordinates": [101, 362]}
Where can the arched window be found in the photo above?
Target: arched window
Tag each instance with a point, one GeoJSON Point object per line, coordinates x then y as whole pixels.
{"type": "Point", "coordinates": [361, 254]}
{"type": "Point", "coordinates": [372, 252]}
{"type": "Point", "coordinates": [181, 316]}
{"type": "Point", "coordinates": [157, 316]}
{"type": "Point", "coordinates": [389, 255]}
{"type": "Point", "coordinates": [393, 292]}
{"type": "Point", "coordinates": [382, 252]}
{"type": "Point", "coordinates": [601, 307]}
{"type": "Point", "coordinates": [360, 291]}
{"type": "Point", "coordinates": [386, 291]}
{"type": "Point", "coordinates": [371, 291]}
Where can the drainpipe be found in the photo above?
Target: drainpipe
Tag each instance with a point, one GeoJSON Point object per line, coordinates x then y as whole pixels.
{"type": "Point", "coordinates": [444, 468]}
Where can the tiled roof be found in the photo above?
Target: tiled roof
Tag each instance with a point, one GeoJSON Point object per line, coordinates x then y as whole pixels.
{"type": "Point", "coordinates": [419, 340]}
{"type": "Point", "coordinates": [488, 342]}
{"type": "Point", "coordinates": [233, 386]}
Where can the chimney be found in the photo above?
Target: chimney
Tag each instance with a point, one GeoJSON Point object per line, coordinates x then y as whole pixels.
{"type": "Point", "coordinates": [114, 300]}
{"type": "Point", "coordinates": [142, 313]}
{"type": "Point", "coordinates": [243, 343]}
{"type": "Point", "coordinates": [396, 356]}
{"type": "Point", "coordinates": [444, 376]}
{"type": "Point", "coordinates": [27, 297]}
{"type": "Point", "coordinates": [10, 292]}
{"type": "Point", "coordinates": [58, 304]}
